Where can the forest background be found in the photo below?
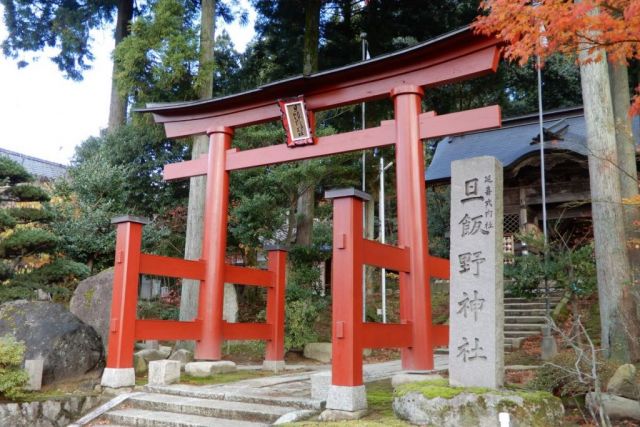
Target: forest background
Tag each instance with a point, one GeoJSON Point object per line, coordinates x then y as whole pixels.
{"type": "Point", "coordinates": [168, 50]}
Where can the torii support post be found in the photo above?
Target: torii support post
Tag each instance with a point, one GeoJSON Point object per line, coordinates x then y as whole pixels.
{"type": "Point", "coordinates": [277, 265]}
{"type": "Point", "coordinates": [347, 391]}
{"type": "Point", "coordinates": [415, 300]}
{"type": "Point", "coordinates": [119, 371]}
{"type": "Point", "coordinates": [214, 243]}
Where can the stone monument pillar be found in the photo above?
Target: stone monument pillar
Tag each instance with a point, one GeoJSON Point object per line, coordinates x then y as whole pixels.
{"type": "Point", "coordinates": [476, 313]}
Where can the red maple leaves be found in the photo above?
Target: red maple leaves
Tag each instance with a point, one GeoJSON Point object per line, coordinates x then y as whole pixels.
{"type": "Point", "coordinates": [546, 27]}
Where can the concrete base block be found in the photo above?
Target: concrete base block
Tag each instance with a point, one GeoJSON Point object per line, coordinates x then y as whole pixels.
{"type": "Point", "coordinates": [34, 369]}
{"type": "Point", "coordinates": [548, 347]}
{"type": "Point", "coordinates": [164, 372]}
{"type": "Point", "coordinates": [329, 415]}
{"type": "Point", "coordinates": [347, 398]}
{"type": "Point", "coordinates": [207, 369]}
{"type": "Point", "coordinates": [273, 365]}
{"type": "Point", "coordinates": [409, 377]}
{"type": "Point", "coordinates": [320, 384]}
{"type": "Point", "coordinates": [118, 377]}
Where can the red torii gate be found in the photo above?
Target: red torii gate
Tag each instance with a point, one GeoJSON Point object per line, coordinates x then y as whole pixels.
{"type": "Point", "coordinates": [402, 76]}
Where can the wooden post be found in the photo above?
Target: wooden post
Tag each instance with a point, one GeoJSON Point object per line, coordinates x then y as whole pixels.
{"type": "Point", "coordinates": [124, 300]}
{"type": "Point", "coordinates": [211, 298]}
{"type": "Point", "coordinates": [346, 288]}
{"type": "Point", "coordinates": [277, 265]}
{"type": "Point", "coordinates": [415, 294]}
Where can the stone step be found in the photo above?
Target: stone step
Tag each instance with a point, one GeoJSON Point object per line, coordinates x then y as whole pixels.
{"type": "Point", "coordinates": [552, 299]}
{"type": "Point", "coordinates": [525, 312]}
{"type": "Point", "coordinates": [247, 397]}
{"type": "Point", "coordinates": [145, 418]}
{"type": "Point", "coordinates": [522, 327]}
{"type": "Point", "coordinates": [538, 320]}
{"type": "Point", "coordinates": [209, 407]}
{"type": "Point", "coordinates": [525, 305]}
{"type": "Point", "coordinates": [518, 334]}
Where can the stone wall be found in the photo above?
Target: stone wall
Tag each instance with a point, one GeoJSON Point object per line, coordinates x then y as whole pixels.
{"type": "Point", "coordinates": [47, 413]}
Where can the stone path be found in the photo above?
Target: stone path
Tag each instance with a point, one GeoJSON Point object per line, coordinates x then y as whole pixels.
{"type": "Point", "coordinates": [248, 403]}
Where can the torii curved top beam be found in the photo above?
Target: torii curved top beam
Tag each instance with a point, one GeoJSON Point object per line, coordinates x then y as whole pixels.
{"type": "Point", "coordinates": [452, 57]}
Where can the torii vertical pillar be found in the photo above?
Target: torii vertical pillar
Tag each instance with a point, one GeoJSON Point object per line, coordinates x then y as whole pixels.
{"type": "Point", "coordinates": [214, 243]}
{"type": "Point", "coordinates": [415, 300]}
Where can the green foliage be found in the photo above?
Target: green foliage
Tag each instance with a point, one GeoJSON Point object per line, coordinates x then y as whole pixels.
{"type": "Point", "coordinates": [6, 220]}
{"type": "Point", "coordinates": [157, 310]}
{"type": "Point", "coordinates": [27, 215]}
{"type": "Point", "coordinates": [556, 376]}
{"type": "Point", "coordinates": [12, 377]}
{"type": "Point", "coordinates": [158, 60]}
{"type": "Point", "coordinates": [26, 193]}
{"type": "Point", "coordinates": [572, 268]}
{"type": "Point", "coordinates": [26, 241]}
{"type": "Point", "coordinates": [58, 278]}
{"type": "Point", "coordinates": [63, 26]}
{"type": "Point", "coordinates": [12, 172]}
{"type": "Point", "coordinates": [301, 316]}
{"type": "Point", "coordinates": [439, 205]}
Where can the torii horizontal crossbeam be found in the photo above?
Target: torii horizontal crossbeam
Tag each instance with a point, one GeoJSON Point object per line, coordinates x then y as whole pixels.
{"type": "Point", "coordinates": [431, 126]}
{"type": "Point", "coordinates": [453, 57]}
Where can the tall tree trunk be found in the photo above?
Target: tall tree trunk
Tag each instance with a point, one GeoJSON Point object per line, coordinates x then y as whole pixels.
{"type": "Point", "coordinates": [619, 78]}
{"type": "Point", "coordinates": [118, 102]}
{"type": "Point", "coordinates": [618, 320]}
{"type": "Point", "coordinates": [197, 185]}
{"type": "Point", "coordinates": [306, 200]}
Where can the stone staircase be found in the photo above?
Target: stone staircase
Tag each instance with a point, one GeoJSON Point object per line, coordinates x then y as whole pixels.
{"type": "Point", "coordinates": [249, 403]}
{"type": "Point", "coordinates": [525, 317]}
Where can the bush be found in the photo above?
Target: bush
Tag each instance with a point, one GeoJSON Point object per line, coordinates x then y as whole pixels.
{"type": "Point", "coordinates": [301, 316]}
{"type": "Point", "coordinates": [12, 377]}
{"type": "Point", "coordinates": [558, 376]}
{"type": "Point", "coordinates": [26, 241]}
{"type": "Point", "coordinates": [27, 193]}
{"type": "Point", "coordinates": [158, 310]}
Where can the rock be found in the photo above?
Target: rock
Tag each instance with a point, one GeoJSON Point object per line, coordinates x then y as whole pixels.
{"type": "Point", "coordinates": [330, 415]}
{"type": "Point", "coordinates": [150, 354]}
{"type": "Point", "coordinates": [164, 372]}
{"type": "Point", "coordinates": [404, 378]}
{"type": "Point", "coordinates": [320, 351]}
{"type": "Point", "coordinates": [470, 409]}
{"type": "Point", "coordinates": [139, 364]}
{"type": "Point", "coordinates": [165, 351]}
{"type": "Point", "coordinates": [183, 356]}
{"type": "Point", "coordinates": [68, 346]}
{"type": "Point", "coordinates": [623, 382]}
{"type": "Point", "coordinates": [615, 406]}
{"type": "Point", "coordinates": [207, 369]}
{"type": "Point", "coordinates": [91, 302]}
{"type": "Point", "coordinates": [294, 416]}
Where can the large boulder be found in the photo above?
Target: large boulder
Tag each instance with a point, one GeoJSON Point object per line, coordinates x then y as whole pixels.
{"type": "Point", "coordinates": [623, 382]}
{"type": "Point", "coordinates": [436, 403]}
{"type": "Point", "coordinates": [68, 346]}
{"type": "Point", "coordinates": [91, 302]}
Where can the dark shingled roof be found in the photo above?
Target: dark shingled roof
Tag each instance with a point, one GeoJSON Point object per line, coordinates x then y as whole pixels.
{"type": "Point", "coordinates": [39, 168]}
{"type": "Point", "coordinates": [565, 130]}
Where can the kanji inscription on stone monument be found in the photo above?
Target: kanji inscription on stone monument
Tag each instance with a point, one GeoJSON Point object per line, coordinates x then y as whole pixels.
{"type": "Point", "coordinates": [476, 333]}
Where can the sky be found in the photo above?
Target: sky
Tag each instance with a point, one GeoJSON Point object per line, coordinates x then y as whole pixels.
{"type": "Point", "coordinates": [46, 116]}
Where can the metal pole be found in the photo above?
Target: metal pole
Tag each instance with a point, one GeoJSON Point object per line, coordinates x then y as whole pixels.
{"type": "Point", "coordinates": [383, 278]}
{"type": "Point", "coordinates": [363, 39]}
{"type": "Point", "coordinates": [543, 187]}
